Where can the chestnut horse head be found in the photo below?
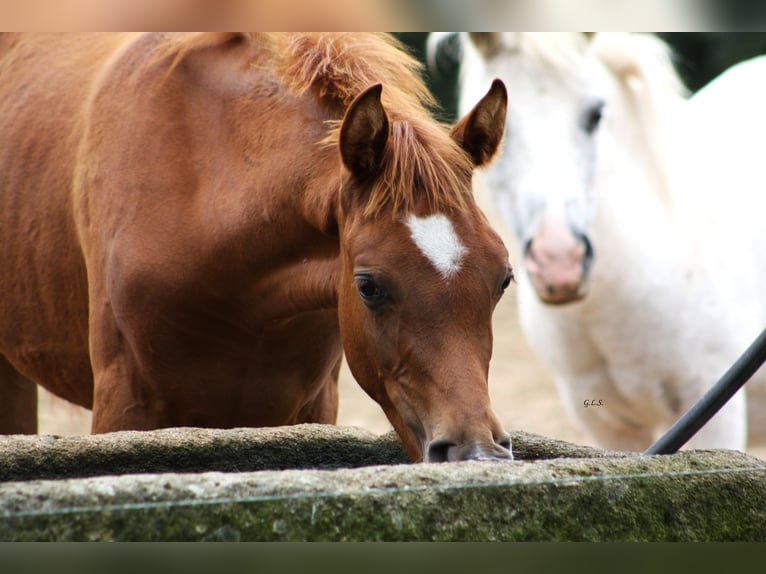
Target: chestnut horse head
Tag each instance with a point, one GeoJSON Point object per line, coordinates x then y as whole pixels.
{"type": "Point", "coordinates": [422, 272]}
{"type": "Point", "coordinates": [264, 204]}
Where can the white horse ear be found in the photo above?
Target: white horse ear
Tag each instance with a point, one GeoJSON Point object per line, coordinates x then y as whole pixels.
{"type": "Point", "coordinates": [480, 131]}
{"type": "Point", "coordinates": [364, 133]}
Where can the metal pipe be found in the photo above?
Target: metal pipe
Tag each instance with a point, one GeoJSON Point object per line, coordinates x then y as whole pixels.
{"type": "Point", "coordinates": [697, 416]}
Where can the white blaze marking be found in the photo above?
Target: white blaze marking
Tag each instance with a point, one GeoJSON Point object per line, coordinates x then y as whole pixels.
{"type": "Point", "coordinates": [436, 238]}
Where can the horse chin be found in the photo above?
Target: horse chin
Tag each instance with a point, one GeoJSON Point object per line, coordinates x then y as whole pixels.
{"type": "Point", "coordinates": [561, 300]}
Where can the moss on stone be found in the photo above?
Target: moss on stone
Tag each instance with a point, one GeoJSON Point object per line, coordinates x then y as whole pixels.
{"type": "Point", "coordinates": [334, 495]}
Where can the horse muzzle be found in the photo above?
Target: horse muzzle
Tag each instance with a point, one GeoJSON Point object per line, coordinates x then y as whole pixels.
{"type": "Point", "coordinates": [559, 271]}
{"type": "Point", "coordinates": [441, 450]}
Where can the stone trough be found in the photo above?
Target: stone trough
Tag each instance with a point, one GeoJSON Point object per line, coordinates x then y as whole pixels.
{"type": "Point", "coordinates": [313, 482]}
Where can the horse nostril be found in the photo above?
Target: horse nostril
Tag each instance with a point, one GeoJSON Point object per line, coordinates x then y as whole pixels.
{"type": "Point", "coordinates": [587, 259]}
{"type": "Point", "coordinates": [527, 246]}
{"type": "Point", "coordinates": [438, 450]}
{"type": "Point", "coordinates": [505, 443]}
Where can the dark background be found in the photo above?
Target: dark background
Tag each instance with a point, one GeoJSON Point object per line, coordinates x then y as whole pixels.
{"type": "Point", "coordinates": [699, 57]}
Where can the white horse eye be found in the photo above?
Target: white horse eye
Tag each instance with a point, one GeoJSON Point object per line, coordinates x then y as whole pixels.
{"type": "Point", "coordinates": [593, 117]}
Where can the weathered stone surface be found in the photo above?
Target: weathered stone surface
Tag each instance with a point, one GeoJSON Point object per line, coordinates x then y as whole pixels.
{"type": "Point", "coordinates": [698, 495]}
{"type": "Point", "coordinates": [193, 450]}
{"type": "Point", "coordinates": [247, 449]}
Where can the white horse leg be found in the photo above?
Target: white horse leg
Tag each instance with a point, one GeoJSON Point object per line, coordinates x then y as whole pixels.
{"type": "Point", "coordinates": [756, 408]}
{"type": "Point", "coordinates": [727, 429]}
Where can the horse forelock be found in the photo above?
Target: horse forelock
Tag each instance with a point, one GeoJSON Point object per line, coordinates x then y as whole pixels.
{"type": "Point", "coordinates": [423, 169]}
{"type": "Point", "coordinates": [421, 162]}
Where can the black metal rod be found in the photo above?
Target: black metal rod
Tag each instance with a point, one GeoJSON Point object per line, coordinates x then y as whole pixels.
{"type": "Point", "coordinates": [697, 416]}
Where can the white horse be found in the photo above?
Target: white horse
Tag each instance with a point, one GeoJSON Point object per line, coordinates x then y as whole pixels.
{"type": "Point", "coordinates": [641, 221]}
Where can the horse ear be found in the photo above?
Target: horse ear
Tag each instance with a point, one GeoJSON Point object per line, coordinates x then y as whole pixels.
{"type": "Point", "coordinates": [480, 131]}
{"type": "Point", "coordinates": [364, 133]}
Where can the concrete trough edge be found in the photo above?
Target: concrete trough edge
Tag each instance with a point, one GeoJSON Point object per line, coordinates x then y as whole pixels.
{"type": "Point", "coordinates": [696, 495]}
{"type": "Point", "coordinates": [26, 457]}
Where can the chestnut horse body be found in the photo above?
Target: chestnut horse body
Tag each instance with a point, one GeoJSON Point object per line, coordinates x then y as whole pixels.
{"type": "Point", "coordinates": [194, 228]}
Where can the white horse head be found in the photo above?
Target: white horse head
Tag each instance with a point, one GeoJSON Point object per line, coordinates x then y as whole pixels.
{"type": "Point", "coordinates": [579, 108]}
{"type": "Point", "coordinates": [619, 188]}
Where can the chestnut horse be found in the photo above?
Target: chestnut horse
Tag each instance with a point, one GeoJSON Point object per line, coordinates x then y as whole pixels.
{"type": "Point", "coordinates": [194, 228]}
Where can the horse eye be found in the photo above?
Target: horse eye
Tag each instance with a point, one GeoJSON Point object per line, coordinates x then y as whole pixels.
{"type": "Point", "coordinates": [370, 292]}
{"type": "Point", "coordinates": [593, 117]}
{"type": "Point", "coordinates": [509, 278]}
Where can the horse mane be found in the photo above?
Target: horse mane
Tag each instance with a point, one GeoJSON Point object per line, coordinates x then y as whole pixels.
{"type": "Point", "coordinates": [422, 161]}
